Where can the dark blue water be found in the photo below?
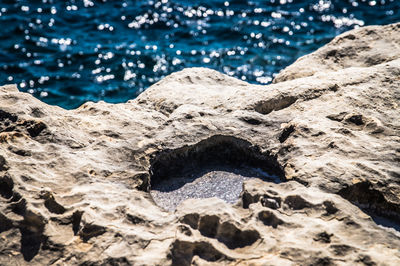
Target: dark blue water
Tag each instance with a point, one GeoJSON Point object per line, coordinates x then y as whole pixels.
{"type": "Point", "coordinates": [69, 52]}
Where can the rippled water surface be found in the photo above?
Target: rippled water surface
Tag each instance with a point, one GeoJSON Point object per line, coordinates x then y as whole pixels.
{"type": "Point", "coordinates": [69, 52]}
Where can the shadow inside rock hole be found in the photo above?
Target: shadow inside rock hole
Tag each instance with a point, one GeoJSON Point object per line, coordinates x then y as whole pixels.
{"type": "Point", "coordinates": [373, 202]}
{"type": "Point", "coordinates": [31, 228]}
{"type": "Point", "coordinates": [214, 167]}
{"type": "Point", "coordinates": [385, 222]}
{"type": "Point", "coordinates": [30, 244]}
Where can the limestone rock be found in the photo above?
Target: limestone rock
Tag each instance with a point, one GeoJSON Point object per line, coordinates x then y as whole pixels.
{"type": "Point", "coordinates": [363, 47]}
{"type": "Point", "coordinates": [75, 184]}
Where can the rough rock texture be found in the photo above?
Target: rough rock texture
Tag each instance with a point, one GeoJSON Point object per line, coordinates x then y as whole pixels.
{"type": "Point", "coordinates": [74, 185]}
{"type": "Point", "coordinates": [363, 47]}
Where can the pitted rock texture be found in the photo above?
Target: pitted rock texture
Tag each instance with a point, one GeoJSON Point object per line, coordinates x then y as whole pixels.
{"type": "Point", "coordinates": [75, 184]}
{"type": "Point", "coordinates": [363, 47]}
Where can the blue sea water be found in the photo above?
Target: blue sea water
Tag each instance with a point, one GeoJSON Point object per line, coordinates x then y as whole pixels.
{"type": "Point", "coordinates": [70, 52]}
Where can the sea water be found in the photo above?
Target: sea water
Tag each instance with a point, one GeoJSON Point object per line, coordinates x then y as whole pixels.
{"type": "Point", "coordinates": [70, 52]}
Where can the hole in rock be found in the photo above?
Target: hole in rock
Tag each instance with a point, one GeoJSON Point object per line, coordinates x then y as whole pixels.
{"type": "Point", "coordinates": [374, 203]}
{"type": "Point", "coordinates": [214, 167]}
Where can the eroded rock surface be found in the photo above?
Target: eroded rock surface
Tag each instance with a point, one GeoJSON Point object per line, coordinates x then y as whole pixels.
{"type": "Point", "coordinates": [75, 185]}
{"type": "Point", "coordinates": [363, 47]}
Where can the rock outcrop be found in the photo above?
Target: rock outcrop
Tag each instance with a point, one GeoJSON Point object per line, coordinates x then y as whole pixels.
{"type": "Point", "coordinates": [75, 184]}
{"type": "Point", "coordinates": [363, 47]}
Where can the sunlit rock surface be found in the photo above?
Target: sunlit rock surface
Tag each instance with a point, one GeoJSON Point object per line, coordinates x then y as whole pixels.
{"type": "Point", "coordinates": [75, 185]}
